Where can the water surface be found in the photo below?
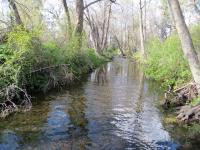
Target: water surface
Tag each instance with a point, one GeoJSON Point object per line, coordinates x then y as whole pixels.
{"type": "Point", "coordinates": [113, 109]}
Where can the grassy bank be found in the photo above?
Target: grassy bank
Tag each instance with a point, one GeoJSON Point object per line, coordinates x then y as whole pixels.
{"type": "Point", "coordinates": [165, 60]}
{"type": "Point", "coordinates": [28, 64]}
{"type": "Point", "coordinates": [166, 63]}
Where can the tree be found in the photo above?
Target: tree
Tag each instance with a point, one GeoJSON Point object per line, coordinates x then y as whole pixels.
{"type": "Point", "coordinates": [79, 14]}
{"type": "Point", "coordinates": [68, 17]}
{"type": "Point", "coordinates": [80, 7]}
{"type": "Point", "coordinates": [186, 41]}
{"type": "Point", "coordinates": [142, 48]}
{"type": "Point", "coordinates": [99, 27]}
{"type": "Point", "coordinates": [119, 45]}
{"type": "Point", "coordinates": [16, 12]}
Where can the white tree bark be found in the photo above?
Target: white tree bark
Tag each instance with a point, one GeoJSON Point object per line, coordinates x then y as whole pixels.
{"type": "Point", "coordinates": [142, 47]}
{"type": "Point", "coordinates": [186, 41]}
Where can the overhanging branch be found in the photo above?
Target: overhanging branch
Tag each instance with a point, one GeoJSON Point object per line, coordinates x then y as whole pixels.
{"type": "Point", "coordinates": [91, 3]}
{"type": "Point", "coordinates": [88, 5]}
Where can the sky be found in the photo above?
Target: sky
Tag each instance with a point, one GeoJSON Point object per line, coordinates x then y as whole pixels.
{"type": "Point", "coordinates": [124, 10]}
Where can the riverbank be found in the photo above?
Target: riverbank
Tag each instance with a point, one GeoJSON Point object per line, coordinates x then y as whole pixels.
{"type": "Point", "coordinates": [29, 65]}
{"type": "Point", "coordinates": [187, 134]}
{"type": "Point", "coordinates": [111, 108]}
{"type": "Point", "coordinates": [165, 63]}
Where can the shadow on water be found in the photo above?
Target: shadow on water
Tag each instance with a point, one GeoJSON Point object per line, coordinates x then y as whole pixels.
{"type": "Point", "coordinates": [113, 109]}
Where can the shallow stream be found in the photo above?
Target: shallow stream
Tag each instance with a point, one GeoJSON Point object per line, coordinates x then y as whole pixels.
{"type": "Point", "coordinates": [114, 108]}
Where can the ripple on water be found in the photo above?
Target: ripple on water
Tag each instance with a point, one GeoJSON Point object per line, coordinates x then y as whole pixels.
{"type": "Point", "coordinates": [113, 110]}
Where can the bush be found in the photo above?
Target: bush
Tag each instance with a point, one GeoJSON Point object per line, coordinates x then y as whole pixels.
{"type": "Point", "coordinates": [30, 64]}
{"type": "Point", "coordinates": [166, 63]}
{"type": "Point", "coordinates": [194, 101]}
{"type": "Point", "coordinates": [111, 51]}
{"type": "Point", "coordinates": [94, 59]}
{"type": "Point", "coordinates": [16, 57]}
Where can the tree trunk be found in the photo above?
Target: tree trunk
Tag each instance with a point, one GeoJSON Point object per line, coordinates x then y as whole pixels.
{"type": "Point", "coordinates": [186, 41]}
{"type": "Point", "coordinates": [119, 45]}
{"type": "Point", "coordinates": [145, 20]}
{"type": "Point", "coordinates": [68, 18]}
{"type": "Point", "coordinates": [16, 12]}
{"type": "Point", "coordinates": [79, 24]}
{"type": "Point", "coordinates": [105, 38]}
{"type": "Point", "coordinates": [142, 48]}
{"type": "Point", "coordinates": [99, 29]}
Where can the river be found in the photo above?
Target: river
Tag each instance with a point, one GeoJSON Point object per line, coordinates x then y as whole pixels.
{"type": "Point", "coordinates": [114, 108]}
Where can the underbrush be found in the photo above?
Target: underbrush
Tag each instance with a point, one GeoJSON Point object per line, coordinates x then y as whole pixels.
{"type": "Point", "coordinates": [194, 101]}
{"type": "Point", "coordinates": [165, 62]}
{"type": "Point", "coordinates": [111, 52]}
{"type": "Point", "coordinates": [29, 64]}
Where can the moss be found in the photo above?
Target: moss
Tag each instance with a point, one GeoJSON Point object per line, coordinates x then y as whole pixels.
{"type": "Point", "coordinates": [195, 101]}
{"type": "Point", "coordinates": [170, 119]}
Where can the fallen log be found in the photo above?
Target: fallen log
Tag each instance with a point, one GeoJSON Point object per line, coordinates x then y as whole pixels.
{"type": "Point", "coordinates": [181, 95]}
{"type": "Point", "coordinates": [189, 114]}
{"type": "Point", "coordinates": [183, 87]}
{"type": "Point", "coordinates": [179, 98]}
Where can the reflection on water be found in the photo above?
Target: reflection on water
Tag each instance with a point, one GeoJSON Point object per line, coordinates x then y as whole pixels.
{"type": "Point", "coordinates": [113, 109]}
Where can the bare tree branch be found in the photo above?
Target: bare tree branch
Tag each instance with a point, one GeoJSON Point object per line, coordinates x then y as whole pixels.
{"type": "Point", "coordinates": [112, 1]}
{"type": "Point", "coordinates": [16, 12]}
{"type": "Point", "coordinates": [92, 3]}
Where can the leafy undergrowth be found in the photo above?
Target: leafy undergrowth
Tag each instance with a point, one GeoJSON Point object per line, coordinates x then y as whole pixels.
{"type": "Point", "coordinates": [165, 62]}
{"type": "Point", "coordinates": [194, 101]}
{"type": "Point", "coordinates": [111, 52]}
{"type": "Point", "coordinates": [29, 64]}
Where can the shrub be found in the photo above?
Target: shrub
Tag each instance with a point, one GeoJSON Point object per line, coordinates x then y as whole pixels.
{"type": "Point", "coordinates": [110, 52]}
{"type": "Point", "coordinates": [17, 57]}
{"type": "Point", "coordinates": [194, 101]}
{"type": "Point", "coordinates": [137, 56]}
{"type": "Point", "coordinates": [30, 64]}
{"type": "Point", "coordinates": [166, 63]}
{"type": "Point", "coordinates": [94, 59]}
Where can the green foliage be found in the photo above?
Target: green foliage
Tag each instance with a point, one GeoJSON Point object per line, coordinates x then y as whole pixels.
{"type": "Point", "coordinates": [138, 57]}
{"type": "Point", "coordinates": [51, 54]}
{"type": "Point", "coordinates": [195, 31]}
{"type": "Point", "coordinates": [170, 119]}
{"type": "Point", "coordinates": [94, 59]}
{"type": "Point", "coordinates": [28, 63]}
{"type": "Point", "coordinates": [165, 62]}
{"type": "Point", "coordinates": [16, 56]}
{"type": "Point", "coordinates": [111, 51]}
{"type": "Point", "coordinates": [194, 129]}
{"type": "Point", "coordinates": [195, 101]}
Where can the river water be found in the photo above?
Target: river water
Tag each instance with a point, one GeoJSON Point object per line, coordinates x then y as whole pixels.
{"type": "Point", "coordinates": [112, 109]}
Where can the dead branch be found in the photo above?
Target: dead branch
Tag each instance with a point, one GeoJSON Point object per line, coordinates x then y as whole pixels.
{"type": "Point", "coordinates": [49, 67]}
{"type": "Point", "coordinates": [179, 97]}
{"type": "Point", "coordinates": [9, 106]}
